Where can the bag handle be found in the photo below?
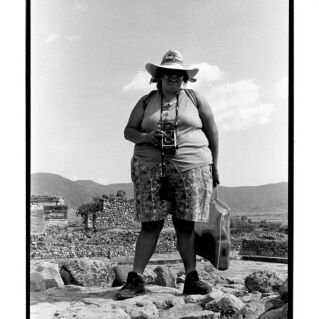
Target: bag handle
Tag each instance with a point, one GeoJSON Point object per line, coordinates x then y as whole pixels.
{"type": "Point", "coordinates": [215, 193]}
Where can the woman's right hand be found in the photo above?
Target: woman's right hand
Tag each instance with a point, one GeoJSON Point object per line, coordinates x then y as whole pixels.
{"type": "Point", "coordinates": [153, 138]}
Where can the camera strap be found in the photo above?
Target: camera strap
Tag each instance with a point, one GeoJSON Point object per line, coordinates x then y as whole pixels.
{"type": "Point", "coordinates": [163, 165]}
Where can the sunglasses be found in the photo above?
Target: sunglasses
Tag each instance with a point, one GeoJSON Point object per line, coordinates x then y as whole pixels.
{"type": "Point", "coordinates": [171, 72]}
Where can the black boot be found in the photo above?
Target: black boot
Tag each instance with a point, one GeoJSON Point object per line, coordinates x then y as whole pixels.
{"type": "Point", "coordinates": [134, 285]}
{"type": "Point", "coordinates": [193, 286]}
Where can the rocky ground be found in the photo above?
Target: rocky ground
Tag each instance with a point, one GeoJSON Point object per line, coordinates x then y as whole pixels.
{"type": "Point", "coordinates": [246, 290]}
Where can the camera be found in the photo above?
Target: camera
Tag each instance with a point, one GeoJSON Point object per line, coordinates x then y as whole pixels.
{"type": "Point", "coordinates": [169, 144]}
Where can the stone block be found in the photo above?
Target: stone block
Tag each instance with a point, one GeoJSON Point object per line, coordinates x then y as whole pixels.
{"type": "Point", "coordinates": [37, 282]}
{"type": "Point", "coordinates": [120, 273]}
{"type": "Point", "coordinates": [274, 303]}
{"type": "Point", "coordinates": [279, 313]}
{"type": "Point", "coordinates": [283, 290]}
{"type": "Point", "coordinates": [180, 311]}
{"type": "Point", "coordinates": [90, 272]}
{"type": "Point", "coordinates": [251, 310]}
{"type": "Point", "coordinates": [204, 314]}
{"type": "Point", "coordinates": [227, 305]}
{"type": "Point", "coordinates": [164, 277]}
{"type": "Point", "coordinates": [50, 273]}
{"type": "Point", "coordinates": [264, 281]}
{"type": "Point", "coordinates": [148, 311]}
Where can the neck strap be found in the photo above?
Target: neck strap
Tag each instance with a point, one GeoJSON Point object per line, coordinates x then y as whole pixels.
{"type": "Point", "coordinates": [175, 128]}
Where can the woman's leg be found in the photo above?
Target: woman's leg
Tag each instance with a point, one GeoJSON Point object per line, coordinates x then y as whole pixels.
{"type": "Point", "coordinates": [146, 243]}
{"type": "Point", "coordinates": [186, 243]}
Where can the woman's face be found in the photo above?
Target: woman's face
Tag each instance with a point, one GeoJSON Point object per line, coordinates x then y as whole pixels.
{"type": "Point", "coordinates": [172, 81]}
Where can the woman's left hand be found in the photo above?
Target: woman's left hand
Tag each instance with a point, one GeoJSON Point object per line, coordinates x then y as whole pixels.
{"type": "Point", "coordinates": [215, 176]}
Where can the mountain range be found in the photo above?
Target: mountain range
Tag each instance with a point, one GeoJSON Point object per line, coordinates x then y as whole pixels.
{"type": "Point", "coordinates": [243, 198]}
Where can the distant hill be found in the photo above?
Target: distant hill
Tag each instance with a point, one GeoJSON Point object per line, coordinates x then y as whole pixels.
{"type": "Point", "coordinates": [244, 198]}
{"type": "Point", "coordinates": [52, 184]}
{"type": "Point", "coordinates": [96, 189]}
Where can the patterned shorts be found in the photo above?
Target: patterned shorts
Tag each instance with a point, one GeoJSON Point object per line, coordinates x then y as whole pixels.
{"type": "Point", "coordinates": [190, 192]}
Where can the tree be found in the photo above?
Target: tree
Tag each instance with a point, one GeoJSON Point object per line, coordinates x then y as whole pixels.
{"type": "Point", "coordinates": [121, 194]}
{"type": "Point", "coordinates": [90, 210]}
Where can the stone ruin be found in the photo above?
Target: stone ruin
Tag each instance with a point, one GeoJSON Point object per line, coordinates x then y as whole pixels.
{"type": "Point", "coordinates": [47, 210]}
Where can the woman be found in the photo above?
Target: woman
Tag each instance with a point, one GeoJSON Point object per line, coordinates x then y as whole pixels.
{"type": "Point", "coordinates": [174, 167]}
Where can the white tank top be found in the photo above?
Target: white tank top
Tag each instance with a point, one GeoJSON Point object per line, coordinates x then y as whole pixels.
{"type": "Point", "coordinates": [193, 150]}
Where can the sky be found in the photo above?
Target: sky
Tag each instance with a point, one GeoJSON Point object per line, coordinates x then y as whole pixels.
{"type": "Point", "coordinates": [88, 71]}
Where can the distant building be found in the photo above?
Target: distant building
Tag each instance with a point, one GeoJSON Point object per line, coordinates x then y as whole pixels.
{"type": "Point", "coordinates": [47, 210]}
{"type": "Point", "coordinates": [46, 200]}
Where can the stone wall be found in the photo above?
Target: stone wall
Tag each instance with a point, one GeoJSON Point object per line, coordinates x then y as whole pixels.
{"type": "Point", "coordinates": [46, 211]}
{"type": "Point", "coordinates": [264, 247]}
{"type": "Point", "coordinates": [37, 222]}
{"type": "Point", "coordinates": [119, 213]}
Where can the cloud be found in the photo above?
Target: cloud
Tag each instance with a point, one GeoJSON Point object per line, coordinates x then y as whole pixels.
{"type": "Point", "coordinates": [237, 105]}
{"type": "Point", "coordinates": [52, 37]}
{"type": "Point", "coordinates": [140, 82]}
{"type": "Point", "coordinates": [206, 75]}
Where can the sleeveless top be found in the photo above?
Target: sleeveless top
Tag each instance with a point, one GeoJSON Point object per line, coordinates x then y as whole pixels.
{"type": "Point", "coordinates": [193, 150]}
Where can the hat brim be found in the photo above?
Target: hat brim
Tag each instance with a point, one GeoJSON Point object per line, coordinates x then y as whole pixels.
{"type": "Point", "coordinates": [152, 69]}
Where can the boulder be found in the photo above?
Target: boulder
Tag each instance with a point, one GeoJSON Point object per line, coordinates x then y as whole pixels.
{"type": "Point", "coordinates": [120, 273]}
{"type": "Point", "coordinates": [283, 290]}
{"type": "Point", "coordinates": [90, 272]}
{"type": "Point", "coordinates": [204, 314]}
{"type": "Point", "coordinates": [67, 277]}
{"type": "Point", "coordinates": [264, 281]}
{"type": "Point", "coordinates": [279, 313]}
{"type": "Point", "coordinates": [235, 281]}
{"type": "Point", "coordinates": [180, 311]}
{"type": "Point", "coordinates": [198, 299]}
{"type": "Point", "coordinates": [235, 292]}
{"type": "Point", "coordinates": [215, 294]}
{"type": "Point", "coordinates": [148, 311]}
{"type": "Point", "coordinates": [166, 301]}
{"type": "Point", "coordinates": [248, 297]}
{"type": "Point", "coordinates": [251, 310]}
{"type": "Point", "coordinates": [227, 305]}
{"type": "Point", "coordinates": [164, 277]}
{"type": "Point", "coordinates": [274, 303]}
{"type": "Point", "coordinates": [50, 273]}
{"type": "Point", "coordinates": [37, 282]}
{"type": "Point", "coordinates": [149, 275]}
{"type": "Point", "coordinates": [212, 277]}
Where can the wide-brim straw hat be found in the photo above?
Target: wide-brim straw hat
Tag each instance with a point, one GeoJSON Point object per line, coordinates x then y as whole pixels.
{"type": "Point", "coordinates": [172, 59]}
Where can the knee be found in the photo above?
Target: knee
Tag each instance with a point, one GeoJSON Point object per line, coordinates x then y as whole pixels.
{"type": "Point", "coordinates": [183, 226]}
{"type": "Point", "coordinates": [152, 227]}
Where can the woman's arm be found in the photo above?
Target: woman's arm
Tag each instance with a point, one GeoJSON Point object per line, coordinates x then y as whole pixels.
{"type": "Point", "coordinates": [211, 132]}
{"type": "Point", "coordinates": [132, 131]}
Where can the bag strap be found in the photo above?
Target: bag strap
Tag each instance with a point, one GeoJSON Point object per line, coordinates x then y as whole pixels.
{"type": "Point", "coordinates": [190, 93]}
{"type": "Point", "coordinates": [193, 96]}
{"type": "Point", "coordinates": [147, 98]}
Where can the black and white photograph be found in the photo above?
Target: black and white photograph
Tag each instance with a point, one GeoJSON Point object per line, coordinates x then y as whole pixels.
{"type": "Point", "coordinates": [160, 181]}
